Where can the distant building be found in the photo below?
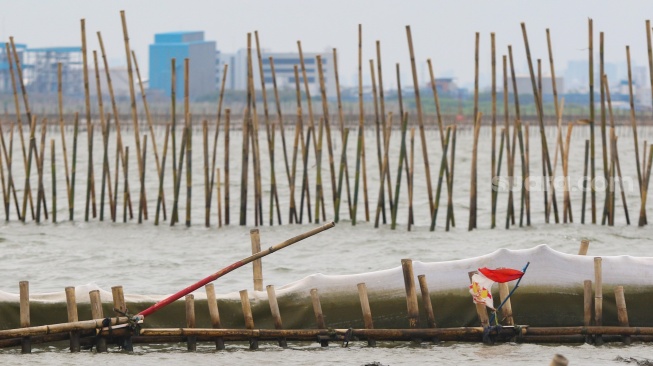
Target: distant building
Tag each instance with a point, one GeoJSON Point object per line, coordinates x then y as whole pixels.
{"type": "Point", "coordinates": [182, 45]}
{"type": "Point", "coordinates": [525, 85]}
{"type": "Point", "coordinates": [445, 85]}
{"type": "Point", "coordinates": [40, 70]}
{"type": "Point", "coordinates": [284, 64]}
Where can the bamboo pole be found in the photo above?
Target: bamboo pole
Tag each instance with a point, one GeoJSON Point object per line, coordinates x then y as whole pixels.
{"type": "Point", "coordinates": [233, 266]}
{"type": "Point", "coordinates": [584, 246]}
{"type": "Point", "coordinates": [585, 166]}
{"type": "Point", "coordinates": [227, 121]}
{"type": "Point", "coordinates": [40, 161]}
{"type": "Point", "coordinates": [28, 113]}
{"type": "Point", "coordinates": [591, 86]}
{"type": "Point", "coordinates": [341, 119]}
{"type": "Point", "coordinates": [493, 192]}
{"type": "Point", "coordinates": [443, 164]}
{"type": "Point", "coordinates": [219, 197]}
{"type": "Point", "coordinates": [410, 177]}
{"type": "Point", "coordinates": [511, 151]}
{"type": "Point", "coordinates": [473, 189]}
{"type": "Point", "coordinates": [105, 143]}
{"type": "Point", "coordinates": [191, 340]}
{"type": "Point", "coordinates": [538, 105]}
{"type": "Point", "coordinates": [148, 118]}
{"type": "Point", "coordinates": [10, 179]}
{"type": "Point", "coordinates": [142, 179]}
{"type": "Point", "coordinates": [54, 183]}
{"type": "Point", "coordinates": [281, 126]}
{"type": "Point", "coordinates": [71, 306]}
{"type": "Point", "coordinates": [411, 294]}
{"type": "Point", "coordinates": [565, 166]}
{"type": "Point", "coordinates": [215, 146]}
{"type": "Point", "coordinates": [402, 154]}
{"type": "Point", "coordinates": [207, 187]}
{"type": "Point", "coordinates": [59, 328]}
{"type": "Point", "coordinates": [622, 311]}
{"type": "Point", "coordinates": [177, 183]}
{"type": "Point", "coordinates": [319, 316]}
{"type": "Point", "coordinates": [159, 200]}
{"type": "Point", "coordinates": [602, 87]}
{"type": "Point", "coordinates": [378, 128]}
{"type": "Point", "coordinates": [319, 193]}
{"type": "Point", "coordinates": [214, 313]}
{"type": "Point", "coordinates": [120, 158]}
{"type": "Point", "coordinates": [189, 142]}
{"type": "Point", "coordinates": [257, 265]}
{"type": "Point", "coordinates": [506, 309]}
{"type": "Point", "coordinates": [173, 113]}
{"type": "Point", "coordinates": [327, 125]}
{"type": "Point", "coordinates": [132, 96]}
{"type": "Point", "coordinates": [647, 177]}
{"type": "Point", "coordinates": [276, 314]}
{"type": "Point", "coordinates": [89, 176]}
{"type": "Point", "coordinates": [426, 301]}
{"type": "Point", "coordinates": [305, 185]}
{"type": "Point", "coordinates": [633, 119]}
{"type": "Point", "coordinates": [367, 312]}
{"type": "Point", "coordinates": [249, 319]}
{"type": "Point", "coordinates": [125, 174]}
{"type": "Point", "coordinates": [361, 123]}
{"type": "Point", "coordinates": [28, 167]}
{"type": "Point", "coordinates": [90, 182]}
{"type": "Point", "coordinates": [420, 120]}
{"type": "Point", "coordinates": [598, 297]}
{"type": "Point", "coordinates": [245, 163]}
{"type": "Point", "coordinates": [343, 162]}
{"type": "Point", "coordinates": [63, 139]}
{"type": "Point", "coordinates": [26, 344]}
{"type": "Point", "coordinates": [98, 314]}
{"type": "Point", "coordinates": [384, 123]}
{"type": "Point", "coordinates": [268, 133]}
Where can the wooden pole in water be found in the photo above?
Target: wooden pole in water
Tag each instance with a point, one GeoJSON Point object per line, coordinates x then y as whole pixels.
{"type": "Point", "coordinates": [493, 192]}
{"type": "Point", "coordinates": [18, 114]}
{"type": "Point", "coordinates": [89, 176]}
{"type": "Point", "coordinates": [142, 179]}
{"type": "Point", "coordinates": [63, 139]}
{"type": "Point", "coordinates": [327, 125]}
{"type": "Point", "coordinates": [214, 313]}
{"type": "Point", "coordinates": [565, 165]}
{"type": "Point", "coordinates": [343, 163]}
{"type": "Point", "coordinates": [633, 120]}
{"type": "Point", "coordinates": [215, 144]}
{"type": "Point", "coordinates": [227, 120]}
{"type": "Point", "coordinates": [378, 128]}
{"type": "Point", "coordinates": [472, 191]}
{"type": "Point", "coordinates": [126, 197]}
{"type": "Point", "coordinates": [411, 294]}
{"type": "Point", "coordinates": [207, 188]}
{"type": "Point", "coordinates": [10, 179]}
{"type": "Point", "coordinates": [341, 119]}
{"type": "Point", "coordinates": [584, 246]}
{"type": "Point", "coordinates": [506, 309]}
{"type": "Point", "coordinates": [257, 264]}
{"type": "Point", "coordinates": [177, 184]}
{"type": "Point", "coordinates": [189, 142]}
{"type": "Point", "coordinates": [591, 85]}
{"type": "Point", "coordinates": [90, 183]}
{"type": "Point", "coordinates": [545, 150]}
{"type": "Point", "coordinates": [219, 196]}
{"type": "Point", "coordinates": [28, 167]}
{"type": "Point", "coordinates": [132, 96]}
{"type": "Point", "coordinates": [119, 147]}
{"type": "Point", "coordinates": [384, 123]}
{"type": "Point", "coordinates": [71, 306]}
{"type": "Point", "coordinates": [510, 217]}
{"type": "Point", "coordinates": [402, 154]}
{"type": "Point", "coordinates": [622, 311]}
{"type": "Point", "coordinates": [26, 343]}
{"type": "Point", "coordinates": [585, 166]}
{"type": "Point", "coordinates": [281, 126]}
{"type": "Point", "coordinates": [54, 183]}
{"type": "Point", "coordinates": [97, 313]}
{"type": "Point", "coordinates": [159, 200]}
{"type": "Point", "coordinates": [361, 122]}
{"type": "Point", "coordinates": [443, 164]}
{"type": "Point", "coordinates": [647, 178]}
{"type": "Point", "coordinates": [598, 297]}
{"type": "Point", "coordinates": [191, 340]}
{"type": "Point", "coordinates": [148, 117]}
{"type": "Point", "coordinates": [249, 319]}
{"type": "Point", "coordinates": [318, 179]}
{"type": "Point", "coordinates": [319, 316]}
{"type": "Point", "coordinates": [426, 301]}
{"type": "Point", "coordinates": [420, 120]}
{"type": "Point", "coordinates": [105, 142]}
{"type": "Point", "coordinates": [411, 181]}
{"type": "Point", "coordinates": [367, 312]}
{"type": "Point", "coordinates": [450, 215]}
{"type": "Point", "coordinates": [384, 171]}
{"type": "Point", "coordinates": [276, 314]}
{"type": "Point", "coordinates": [173, 114]}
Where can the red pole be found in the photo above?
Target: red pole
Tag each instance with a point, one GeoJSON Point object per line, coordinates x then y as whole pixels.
{"type": "Point", "coordinates": [231, 267]}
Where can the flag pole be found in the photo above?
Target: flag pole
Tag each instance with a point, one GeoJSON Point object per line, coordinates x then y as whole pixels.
{"type": "Point", "coordinates": [230, 268]}
{"type": "Point", "coordinates": [493, 316]}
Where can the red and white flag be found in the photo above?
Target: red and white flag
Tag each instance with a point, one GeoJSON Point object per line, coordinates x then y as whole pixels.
{"type": "Point", "coordinates": [501, 275]}
{"type": "Point", "coordinates": [481, 290]}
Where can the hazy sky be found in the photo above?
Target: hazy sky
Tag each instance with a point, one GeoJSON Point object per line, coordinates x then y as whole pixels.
{"type": "Point", "coordinates": [442, 30]}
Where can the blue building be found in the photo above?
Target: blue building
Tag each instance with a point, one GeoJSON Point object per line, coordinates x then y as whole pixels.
{"type": "Point", "coordinates": [182, 45]}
